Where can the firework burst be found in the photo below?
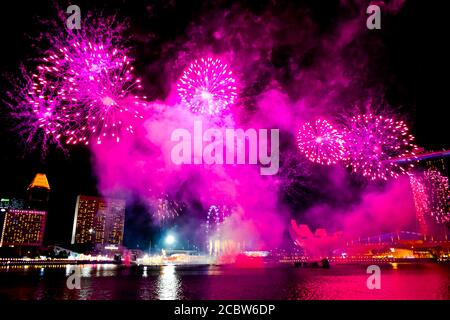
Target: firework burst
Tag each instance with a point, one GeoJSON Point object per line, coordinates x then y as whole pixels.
{"type": "Point", "coordinates": [207, 86]}
{"type": "Point", "coordinates": [374, 142]}
{"type": "Point", "coordinates": [167, 209]}
{"type": "Point", "coordinates": [97, 81]}
{"type": "Point", "coordinates": [320, 142]}
{"type": "Point", "coordinates": [83, 88]}
{"type": "Point", "coordinates": [35, 106]}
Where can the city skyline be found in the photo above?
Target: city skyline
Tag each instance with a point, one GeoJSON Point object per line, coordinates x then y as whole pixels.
{"type": "Point", "coordinates": [101, 221]}
{"type": "Point", "coordinates": [24, 220]}
{"type": "Point", "coordinates": [192, 150]}
{"type": "Point", "coordinates": [76, 174]}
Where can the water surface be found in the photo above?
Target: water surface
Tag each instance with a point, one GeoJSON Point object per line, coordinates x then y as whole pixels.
{"type": "Point", "coordinates": [105, 282]}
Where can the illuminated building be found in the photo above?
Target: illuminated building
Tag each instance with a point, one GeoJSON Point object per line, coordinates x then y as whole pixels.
{"type": "Point", "coordinates": [5, 205]}
{"type": "Point", "coordinates": [23, 228]}
{"type": "Point", "coordinates": [38, 192]}
{"type": "Point", "coordinates": [98, 221]}
{"type": "Point", "coordinates": [23, 222]}
{"type": "Point", "coordinates": [2, 220]}
{"type": "Point", "coordinates": [12, 203]}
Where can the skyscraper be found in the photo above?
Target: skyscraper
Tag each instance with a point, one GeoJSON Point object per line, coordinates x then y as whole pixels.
{"type": "Point", "coordinates": [98, 221]}
{"type": "Point", "coordinates": [23, 228]}
{"type": "Point", "coordinates": [23, 222]}
{"type": "Point", "coordinates": [5, 205]}
{"type": "Point", "coordinates": [38, 192]}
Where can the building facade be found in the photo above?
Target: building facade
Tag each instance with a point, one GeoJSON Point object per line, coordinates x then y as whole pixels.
{"type": "Point", "coordinates": [38, 193]}
{"type": "Point", "coordinates": [98, 221]}
{"type": "Point", "coordinates": [22, 222]}
{"type": "Point", "coordinates": [23, 228]}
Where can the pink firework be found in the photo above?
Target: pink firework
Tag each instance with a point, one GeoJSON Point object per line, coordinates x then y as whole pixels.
{"type": "Point", "coordinates": [36, 106]}
{"type": "Point", "coordinates": [167, 209]}
{"type": "Point", "coordinates": [320, 142]}
{"type": "Point", "coordinates": [207, 86]}
{"type": "Point", "coordinates": [215, 217]}
{"type": "Point", "coordinates": [430, 191]}
{"type": "Point", "coordinates": [97, 80]}
{"type": "Point", "coordinates": [374, 142]}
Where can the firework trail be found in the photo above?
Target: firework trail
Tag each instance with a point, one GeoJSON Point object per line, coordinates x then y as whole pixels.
{"type": "Point", "coordinates": [373, 142]}
{"type": "Point", "coordinates": [320, 142]}
{"type": "Point", "coordinates": [438, 191]}
{"type": "Point", "coordinates": [430, 189]}
{"type": "Point", "coordinates": [212, 219]}
{"type": "Point", "coordinates": [215, 217]}
{"type": "Point", "coordinates": [167, 209]}
{"type": "Point", "coordinates": [207, 86]}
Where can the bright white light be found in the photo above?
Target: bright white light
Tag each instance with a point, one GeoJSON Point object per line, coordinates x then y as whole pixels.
{"type": "Point", "coordinates": [206, 95]}
{"type": "Point", "coordinates": [107, 101]}
{"type": "Point", "coordinates": [170, 239]}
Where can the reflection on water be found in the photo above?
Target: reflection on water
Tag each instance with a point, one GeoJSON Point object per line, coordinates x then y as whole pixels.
{"type": "Point", "coordinates": [104, 282]}
{"type": "Point", "coordinates": [69, 270]}
{"type": "Point", "coordinates": [144, 273]}
{"type": "Point", "coordinates": [168, 283]}
{"type": "Point", "coordinates": [86, 270]}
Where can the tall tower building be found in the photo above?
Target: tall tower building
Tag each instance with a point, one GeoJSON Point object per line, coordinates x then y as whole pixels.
{"type": "Point", "coordinates": [23, 228]}
{"type": "Point", "coordinates": [2, 221]}
{"type": "Point", "coordinates": [24, 221]}
{"type": "Point", "coordinates": [38, 192]}
{"type": "Point", "coordinates": [7, 204]}
{"type": "Point", "coordinates": [98, 221]}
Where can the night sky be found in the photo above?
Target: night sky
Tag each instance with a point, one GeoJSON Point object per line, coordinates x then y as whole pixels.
{"type": "Point", "coordinates": [397, 64]}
